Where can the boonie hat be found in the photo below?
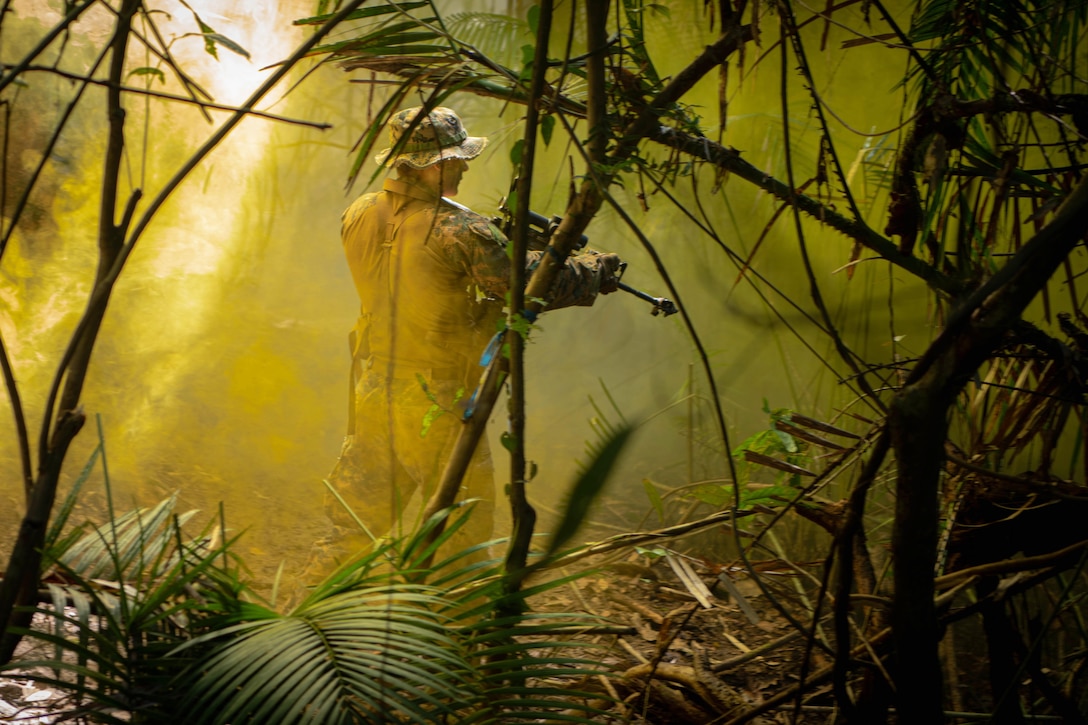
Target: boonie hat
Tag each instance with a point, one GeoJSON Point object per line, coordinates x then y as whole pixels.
{"type": "Point", "coordinates": [438, 137]}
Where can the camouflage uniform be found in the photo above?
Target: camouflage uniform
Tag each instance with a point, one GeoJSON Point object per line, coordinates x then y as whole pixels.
{"type": "Point", "coordinates": [432, 279]}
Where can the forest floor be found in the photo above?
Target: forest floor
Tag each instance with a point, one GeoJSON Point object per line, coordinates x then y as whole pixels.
{"type": "Point", "coordinates": [683, 655]}
{"type": "Point", "coordinates": [23, 700]}
{"type": "Point", "coordinates": [704, 657]}
{"type": "Point", "coordinates": [675, 654]}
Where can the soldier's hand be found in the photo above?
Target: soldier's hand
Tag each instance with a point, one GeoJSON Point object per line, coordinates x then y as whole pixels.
{"type": "Point", "coordinates": [609, 267]}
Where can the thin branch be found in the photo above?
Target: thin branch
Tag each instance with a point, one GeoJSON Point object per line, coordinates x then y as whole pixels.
{"type": "Point", "coordinates": [730, 160]}
{"type": "Point", "coordinates": [20, 422]}
{"type": "Point", "coordinates": [1010, 566]}
{"type": "Point", "coordinates": [853, 527]}
{"type": "Point", "coordinates": [639, 538]}
{"type": "Point", "coordinates": [164, 55]}
{"type": "Point", "coordinates": [906, 43]}
{"type": "Point", "coordinates": [73, 369]}
{"type": "Point", "coordinates": [523, 513]}
{"type": "Point", "coordinates": [182, 99]}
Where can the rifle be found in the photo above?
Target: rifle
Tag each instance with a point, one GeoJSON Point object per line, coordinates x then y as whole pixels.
{"type": "Point", "coordinates": [541, 229]}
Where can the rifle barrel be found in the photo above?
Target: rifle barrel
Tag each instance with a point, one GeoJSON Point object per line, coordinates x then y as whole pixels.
{"type": "Point", "coordinates": [661, 305]}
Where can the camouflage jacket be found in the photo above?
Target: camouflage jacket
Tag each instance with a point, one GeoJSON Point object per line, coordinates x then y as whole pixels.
{"type": "Point", "coordinates": [432, 279]}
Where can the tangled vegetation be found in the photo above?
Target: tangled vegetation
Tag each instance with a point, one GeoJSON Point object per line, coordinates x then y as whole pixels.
{"type": "Point", "coordinates": [944, 485]}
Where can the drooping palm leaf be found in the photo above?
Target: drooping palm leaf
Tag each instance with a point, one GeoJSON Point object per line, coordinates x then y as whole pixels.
{"type": "Point", "coordinates": [353, 657]}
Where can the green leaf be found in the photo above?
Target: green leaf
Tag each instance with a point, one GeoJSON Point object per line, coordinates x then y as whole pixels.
{"type": "Point", "coordinates": [660, 9]}
{"type": "Point", "coordinates": [206, 30]}
{"type": "Point", "coordinates": [212, 38]}
{"type": "Point", "coordinates": [534, 18]}
{"type": "Point", "coordinates": [148, 71]}
{"type": "Point", "coordinates": [655, 497]}
{"type": "Point", "coordinates": [587, 488]}
{"type": "Point", "coordinates": [786, 440]}
{"type": "Point", "coordinates": [436, 410]}
{"type": "Point", "coordinates": [655, 552]}
{"type": "Point", "coordinates": [711, 493]}
{"type": "Point", "coordinates": [547, 126]}
{"type": "Point", "coordinates": [516, 152]}
{"type": "Point", "coordinates": [768, 495]}
{"type": "Point", "coordinates": [520, 324]}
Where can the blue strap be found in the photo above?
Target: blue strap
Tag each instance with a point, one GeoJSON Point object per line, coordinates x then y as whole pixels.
{"type": "Point", "coordinates": [470, 406]}
{"type": "Point", "coordinates": [485, 360]}
{"type": "Point", "coordinates": [488, 355]}
{"type": "Point", "coordinates": [492, 348]}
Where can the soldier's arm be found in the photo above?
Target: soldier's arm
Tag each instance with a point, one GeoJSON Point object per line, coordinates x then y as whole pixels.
{"type": "Point", "coordinates": [481, 250]}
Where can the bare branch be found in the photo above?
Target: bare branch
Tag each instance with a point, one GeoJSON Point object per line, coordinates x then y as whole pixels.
{"type": "Point", "coordinates": [184, 99]}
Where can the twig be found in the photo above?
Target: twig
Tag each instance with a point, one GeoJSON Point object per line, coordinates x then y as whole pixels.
{"type": "Point", "coordinates": [621, 541]}
{"type": "Point", "coordinates": [20, 422]}
{"type": "Point", "coordinates": [182, 99]}
{"type": "Point", "coordinates": [522, 512]}
{"type": "Point", "coordinates": [730, 160]}
{"type": "Point", "coordinates": [1008, 566]}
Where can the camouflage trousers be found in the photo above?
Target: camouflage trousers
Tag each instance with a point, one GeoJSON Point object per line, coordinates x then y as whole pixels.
{"type": "Point", "coordinates": [405, 431]}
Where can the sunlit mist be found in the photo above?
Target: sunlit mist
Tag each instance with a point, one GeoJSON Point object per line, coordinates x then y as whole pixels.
{"type": "Point", "coordinates": [222, 366]}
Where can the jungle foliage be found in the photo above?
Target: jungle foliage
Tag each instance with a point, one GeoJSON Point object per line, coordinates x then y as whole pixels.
{"type": "Point", "coordinates": [979, 439]}
{"type": "Point", "coordinates": [982, 199]}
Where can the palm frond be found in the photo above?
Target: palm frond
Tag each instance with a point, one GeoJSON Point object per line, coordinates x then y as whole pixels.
{"type": "Point", "coordinates": [355, 656]}
{"type": "Point", "coordinates": [119, 597]}
{"type": "Point", "coordinates": [499, 37]}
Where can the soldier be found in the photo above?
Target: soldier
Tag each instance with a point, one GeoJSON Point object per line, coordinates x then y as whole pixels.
{"type": "Point", "coordinates": [432, 279]}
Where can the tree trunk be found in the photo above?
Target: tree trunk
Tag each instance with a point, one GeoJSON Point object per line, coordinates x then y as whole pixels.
{"type": "Point", "coordinates": [918, 425]}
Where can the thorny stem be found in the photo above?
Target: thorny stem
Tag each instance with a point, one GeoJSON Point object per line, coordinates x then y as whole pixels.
{"type": "Point", "coordinates": [846, 553]}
